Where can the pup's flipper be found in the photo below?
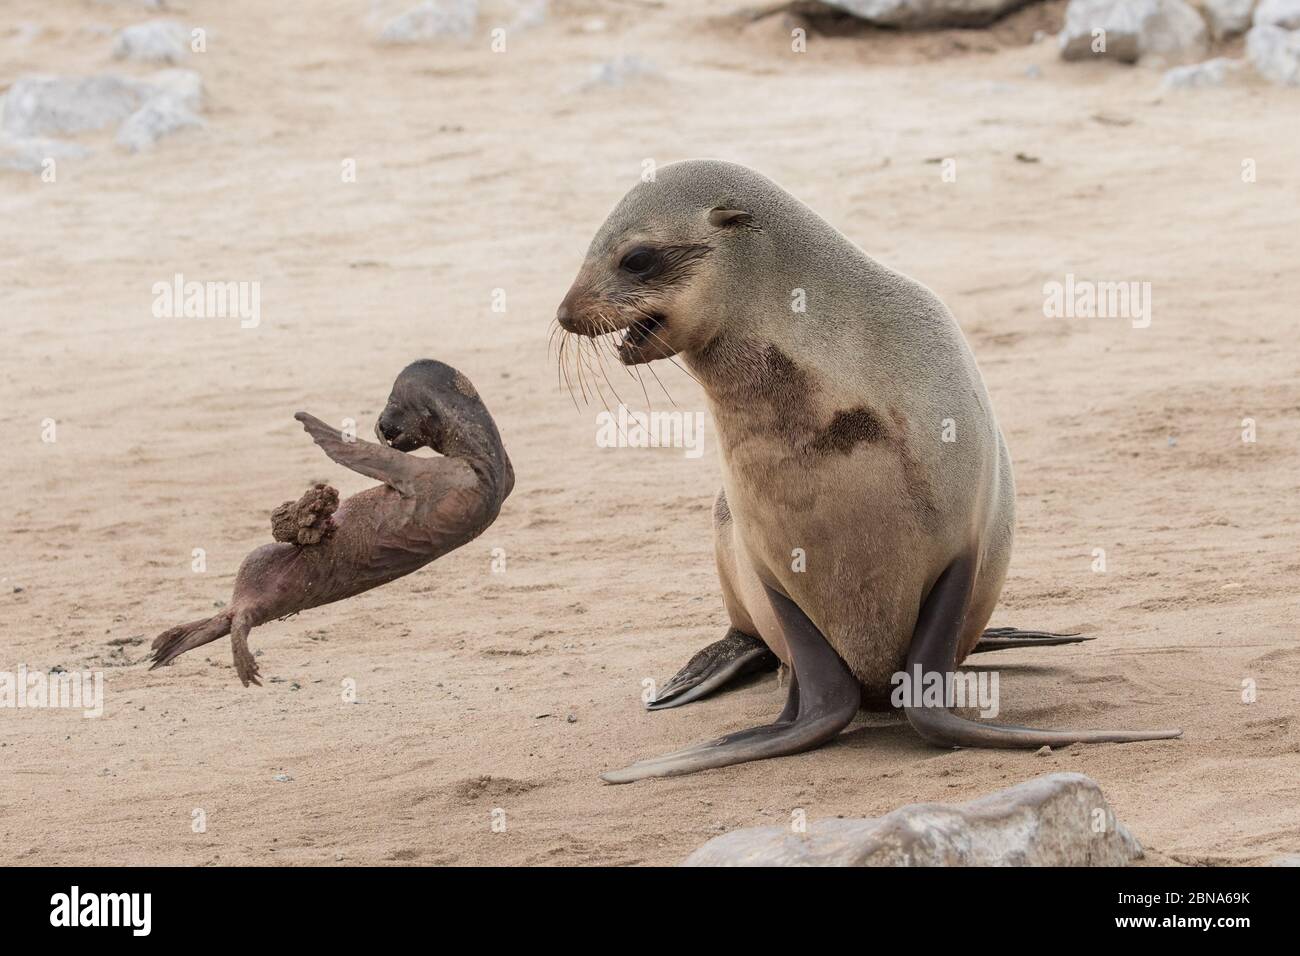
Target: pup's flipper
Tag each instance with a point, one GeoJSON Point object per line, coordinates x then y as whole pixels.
{"type": "Point", "coordinates": [175, 641]}
{"type": "Point", "coordinates": [392, 467]}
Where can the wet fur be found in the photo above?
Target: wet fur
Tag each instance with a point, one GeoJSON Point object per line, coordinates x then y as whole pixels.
{"type": "Point", "coordinates": [382, 533]}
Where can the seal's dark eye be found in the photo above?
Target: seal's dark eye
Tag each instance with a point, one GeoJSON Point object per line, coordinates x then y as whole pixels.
{"type": "Point", "coordinates": [640, 261]}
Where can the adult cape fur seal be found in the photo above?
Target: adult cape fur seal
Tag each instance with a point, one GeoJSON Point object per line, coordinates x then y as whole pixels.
{"type": "Point", "coordinates": [851, 538]}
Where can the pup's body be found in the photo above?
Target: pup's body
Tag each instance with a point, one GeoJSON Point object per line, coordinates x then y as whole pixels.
{"type": "Point", "coordinates": [425, 508]}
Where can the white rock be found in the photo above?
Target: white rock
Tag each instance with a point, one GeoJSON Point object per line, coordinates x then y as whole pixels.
{"type": "Point", "coordinates": [1227, 18]}
{"type": "Point", "coordinates": [41, 105]}
{"type": "Point", "coordinates": [184, 86]}
{"type": "Point", "coordinates": [1278, 13]}
{"type": "Point", "coordinates": [29, 155]}
{"type": "Point", "coordinates": [431, 20]}
{"type": "Point", "coordinates": [1060, 819]}
{"type": "Point", "coordinates": [146, 108]}
{"type": "Point", "coordinates": [157, 118]}
{"type": "Point", "coordinates": [175, 97]}
{"type": "Point", "coordinates": [927, 13]}
{"type": "Point", "coordinates": [155, 41]}
{"type": "Point", "coordinates": [1214, 72]}
{"type": "Point", "coordinates": [1274, 52]}
{"type": "Point", "coordinates": [1165, 30]}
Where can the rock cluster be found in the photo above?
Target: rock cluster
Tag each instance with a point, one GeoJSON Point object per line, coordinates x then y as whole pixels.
{"type": "Point", "coordinates": [142, 109]}
{"type": "Point", "coordinates": [1174, 31]}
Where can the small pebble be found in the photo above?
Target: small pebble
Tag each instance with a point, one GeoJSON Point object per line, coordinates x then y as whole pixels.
{"type": "Point", "coordinates": [1043, 751]}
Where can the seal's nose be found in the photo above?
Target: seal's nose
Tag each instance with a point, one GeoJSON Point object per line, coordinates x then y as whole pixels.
{"type": "Point", "coordinates": [566, 315]}
{"type": "Point", "coordinates": [386, 429]}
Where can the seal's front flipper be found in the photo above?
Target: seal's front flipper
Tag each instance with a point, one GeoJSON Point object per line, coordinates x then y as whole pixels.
{"type": "Point", "coordinates": [1001, 638]}
{"type": "Point", "coordinates": [934, 651]}
{"type": "Point", "coordinates": [721, 662]}
{"type": "Point", "coordinates": [824, 695]}
{"type": "Point", "coordinates": [394, 468]}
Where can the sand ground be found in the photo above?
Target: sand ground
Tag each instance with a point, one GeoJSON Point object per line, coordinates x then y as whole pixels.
{"type": "Point", "coordinates": [481, 690]}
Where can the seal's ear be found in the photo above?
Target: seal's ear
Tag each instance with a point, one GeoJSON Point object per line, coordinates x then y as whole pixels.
{"type": "Point", "coordinates": [723, 218]}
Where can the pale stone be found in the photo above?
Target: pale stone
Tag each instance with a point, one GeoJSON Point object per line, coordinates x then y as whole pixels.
{"type": "Point", "coordinates": [155, 41]}
{"type": "Point", "coordinates": [1278, 13]}
{"type": "Point", "coordinates": [1275, 54]}
{"type": "Point", "coordinates": [1214, 72]}
{"type": "Point", "coordinates": [1060, 819]}
{"type": "Point", "coordinates": [927, 13]}
{"type": "Point", "coordinates": [432, 20]}
{"type": "Point", "coordinates": [1167, 30]}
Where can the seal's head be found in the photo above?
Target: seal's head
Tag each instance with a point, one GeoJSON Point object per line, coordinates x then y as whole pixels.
{"type": "Point", "coordinates": [662, 269]}
{"type": "Point", "coordinates": [429, 405]}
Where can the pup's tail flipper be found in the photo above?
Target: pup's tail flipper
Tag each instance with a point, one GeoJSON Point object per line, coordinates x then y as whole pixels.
{"type": "Point", "coordinates": [175, 641]}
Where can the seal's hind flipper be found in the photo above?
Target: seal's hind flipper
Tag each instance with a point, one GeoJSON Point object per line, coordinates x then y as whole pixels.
{"type": "Point", "coordinates": [245, 663]}
{"type": "Point", "coordinates": [934, 651]}
{"type": "Point", "coordinates": [736, 655]}
{"type": "Point", "coordinates": [823, 698]}
{"type": "Point", "coordinates": [1001, 638]}
{"type": "Point", "coordinates": [175, 641]}
{"type": "Point", "coordinates": [392, 467]}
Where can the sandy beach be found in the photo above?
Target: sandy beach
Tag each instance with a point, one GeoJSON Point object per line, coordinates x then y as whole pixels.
{"type": "Point", "coordinates": [480, 179]}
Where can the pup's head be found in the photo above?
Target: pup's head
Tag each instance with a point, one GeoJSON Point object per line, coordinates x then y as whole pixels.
{"type": "Point", "coordinates": [430, 401]}
{"type": "Point", "coordinates": [662, 267]}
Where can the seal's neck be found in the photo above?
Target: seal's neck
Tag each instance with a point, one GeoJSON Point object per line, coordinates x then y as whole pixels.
{"type": "Point", "coordinates": [478, 444]}
{"type": "Point", "coordinates": [741, 371]}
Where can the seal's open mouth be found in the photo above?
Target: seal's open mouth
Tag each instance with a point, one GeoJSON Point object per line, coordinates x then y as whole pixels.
{"type": "Point", "coordinates": [643, 340]}
{"type": "Point", "coordinates": [400, 441]}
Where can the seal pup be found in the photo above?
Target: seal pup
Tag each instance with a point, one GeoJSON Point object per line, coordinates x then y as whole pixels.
{"type": "Point", "coordinates": [327, 551]}
{"type": "Point", "coordinates": [852, 539]}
